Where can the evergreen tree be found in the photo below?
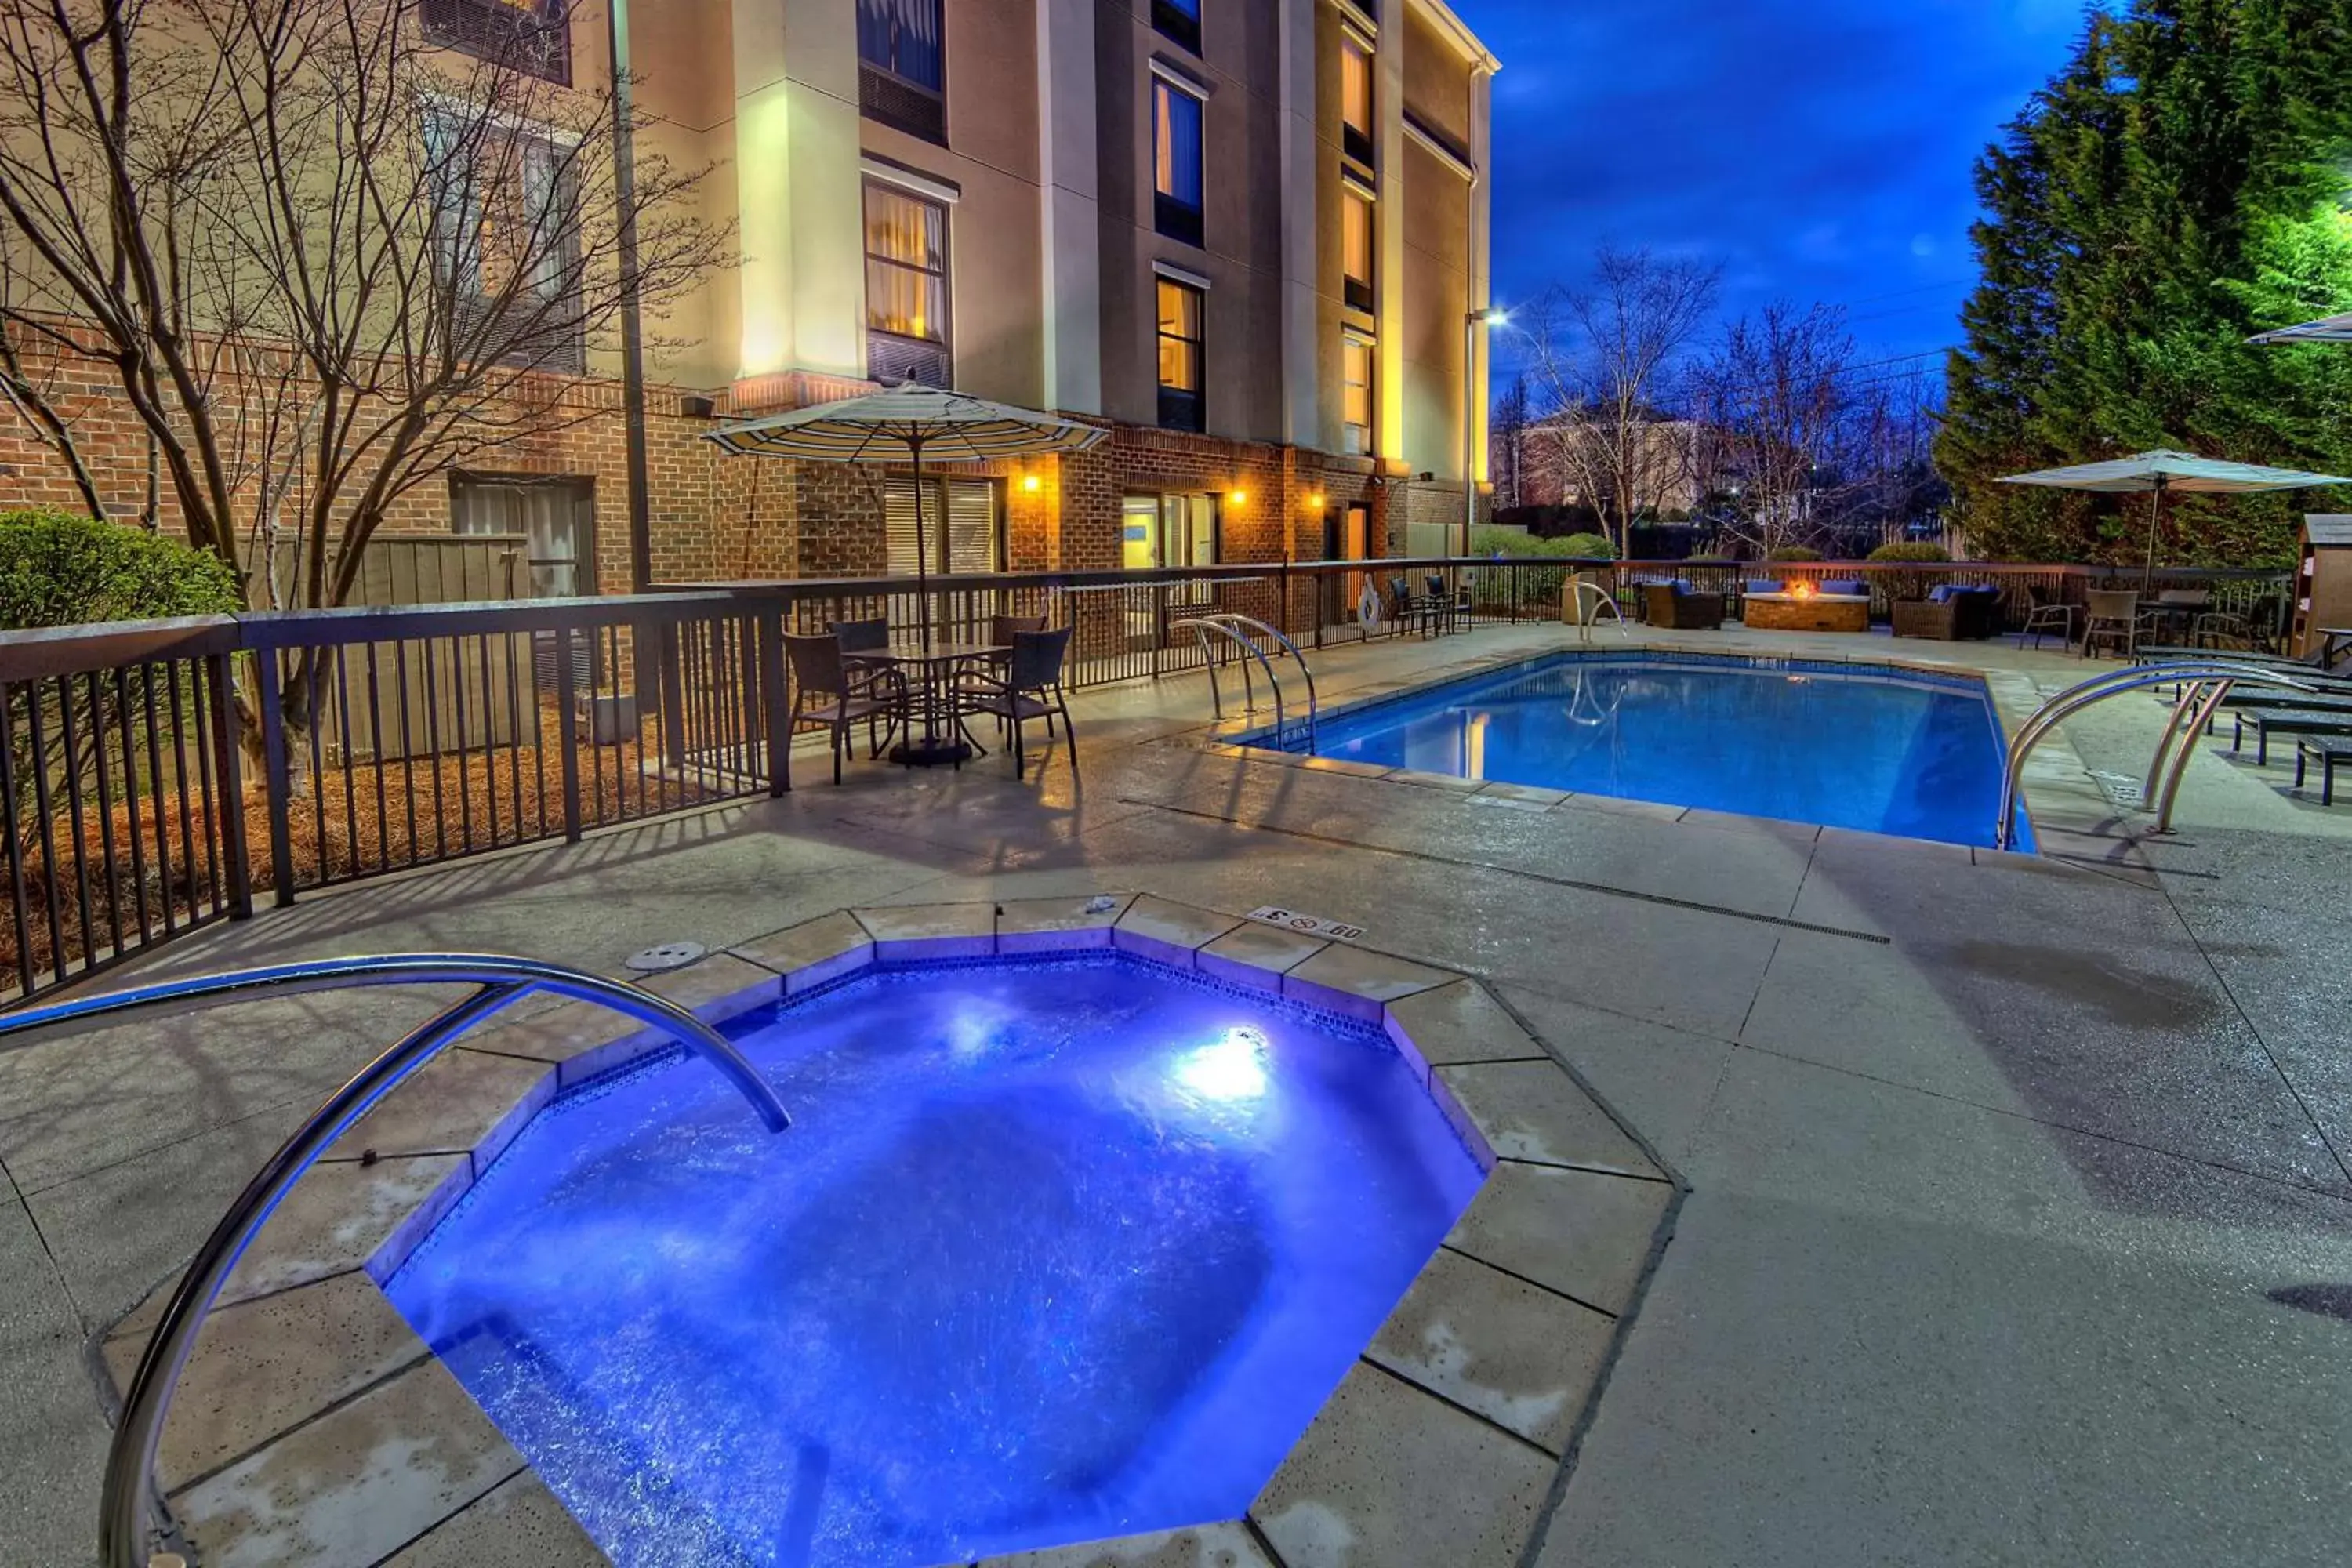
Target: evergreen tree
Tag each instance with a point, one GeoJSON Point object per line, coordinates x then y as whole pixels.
{"type": "Point", "coordinates": [2181, 185]}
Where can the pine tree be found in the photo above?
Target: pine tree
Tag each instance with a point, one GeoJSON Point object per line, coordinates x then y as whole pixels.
{"type": "Point", "coordinates": [2180, 186]}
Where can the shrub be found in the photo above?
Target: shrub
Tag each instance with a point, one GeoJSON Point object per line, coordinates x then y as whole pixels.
{"type": "Point", "coordinates": [1909, 586]}
{"type": "Point", "coordinates": [1794, 552]}
{"type": "Point", "coordinates": [66, 569]}
{"type": "Point", "coordinates": [1588, 546]}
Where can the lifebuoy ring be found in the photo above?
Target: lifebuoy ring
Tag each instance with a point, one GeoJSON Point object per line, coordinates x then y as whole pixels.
{"type": "Point", "coordinates": [1367, 607]}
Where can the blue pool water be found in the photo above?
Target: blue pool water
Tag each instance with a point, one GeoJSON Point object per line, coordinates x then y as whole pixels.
{"type": "Point", "coordinates": [1845, 746]}
{"type": "Point", "coordinates": [1054, 1250]}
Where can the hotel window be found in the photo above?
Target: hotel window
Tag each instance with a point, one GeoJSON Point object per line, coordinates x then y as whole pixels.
{"type": "Point", "coordinates": [906, 287]}
{"type": "Point", "coordinates": [963, 524]}
{"type": "Point", "coordinates": [902, 66]}
{"type": "Point", "coordinates": [1355, 248]}
{"type": "Point", "coordinates": [1356, 394]}
{"type": "Point", "coordinates": [505, 242]}
{"type": "Point", "coordinates": [533, 37]}
{"type": "Point", "coordinates": [1356, 100]}
{"type": "Point", "coordinates": [1178, 20]}
{"type": "Point", "coordinates": [1170, 530]}
{"type": "Point", "coordinates": [1176, 162]}
{"type": "Point", "coordinates": [1182, 405]}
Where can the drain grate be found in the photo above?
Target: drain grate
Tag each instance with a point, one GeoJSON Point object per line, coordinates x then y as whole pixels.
{"type": "Point", "coordinates": [2128, 793]}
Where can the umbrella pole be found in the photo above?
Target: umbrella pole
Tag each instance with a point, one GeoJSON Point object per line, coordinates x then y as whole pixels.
{"type": "Point", "coordinates": [2155, 527]}
{"type": "Point", "coordinates": [923, 552]}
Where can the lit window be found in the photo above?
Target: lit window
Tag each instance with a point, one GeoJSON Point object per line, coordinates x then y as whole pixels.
{"type": "Point", "coordinates": [1181, 405]}
{"type": "Point", "coordinates": [1355, 248]}
{"type": "Point", "coordinates": [1170, 530]}
{"type": "Point", "coordinates": [962, 524]}
{"type": "Point", "coordinates": [506, 241]}
{"type": "Point", "coordinates": [1356, 100]}
{"type": "Point", "coordinates": [1356, 392]}
{"type": "Point", "coordinates": [906, 286]}
{"type": "Point", "coordinates": [1176, 162]}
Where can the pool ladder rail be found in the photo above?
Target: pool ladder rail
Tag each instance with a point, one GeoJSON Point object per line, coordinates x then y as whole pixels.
{"type": "Point", "coordinates": [135, 1525]}
{"type": "Point", "coordinates": [1244, 632]}
{"type": "Point", "coordinates": [2205, 684]}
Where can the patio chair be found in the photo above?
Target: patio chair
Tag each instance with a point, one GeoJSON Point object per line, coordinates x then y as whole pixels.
{"type": "Point", "coordinates": [1405, 610]}
{"type": "Point", "coordinates": [1003, 628]}
{"type": "Point", "coordinates": [861, 637]}
{"type": "Point", "coordinates": [2113, 617]}
{"type": "Point", "coordinates": [1029, 687]}
{"type": "Point", "coordinates": [1672, 607]}
{"type": "Point", "coordinates": [828, 691]}
{"type": "Point", "coordinates": [2045, 613]}
{"type": "Point", "coordinates": [1448, 607]}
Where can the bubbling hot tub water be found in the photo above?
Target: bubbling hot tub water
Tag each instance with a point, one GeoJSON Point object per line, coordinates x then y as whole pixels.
{"type": "Point", "coordinates": [1056, 1251]}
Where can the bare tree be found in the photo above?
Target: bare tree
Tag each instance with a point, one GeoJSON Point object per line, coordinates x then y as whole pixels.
{"type": "Point", "coordinates": [1775, 393]}
{"type": "Point", "coordinates": [1603, 357]}
{"type": "Point", "coordinates": [1884, 451]}
{"type": "Point", "coordinates": [320, 261]}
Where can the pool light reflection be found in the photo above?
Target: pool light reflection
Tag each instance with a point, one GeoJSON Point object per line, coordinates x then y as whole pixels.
{"type": "Point", "coordinates": [1232, 1068]}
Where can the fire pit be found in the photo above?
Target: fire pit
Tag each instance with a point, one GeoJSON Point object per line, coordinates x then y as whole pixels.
{"type": "Point", "coordinates": [1803, 607]}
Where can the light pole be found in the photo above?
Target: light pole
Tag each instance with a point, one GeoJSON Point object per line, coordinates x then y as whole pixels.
{"type": "Point", "coordinates": [633, 342]}
{"type": "Point", "coordinates": [1492, 316]}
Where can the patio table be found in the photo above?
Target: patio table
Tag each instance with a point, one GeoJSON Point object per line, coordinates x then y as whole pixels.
{"type": "Point", "coordinates": [930, 674]}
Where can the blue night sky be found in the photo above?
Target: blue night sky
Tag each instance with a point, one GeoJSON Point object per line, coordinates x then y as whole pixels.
{"type": "Point", "coordinates": [1816, 148]}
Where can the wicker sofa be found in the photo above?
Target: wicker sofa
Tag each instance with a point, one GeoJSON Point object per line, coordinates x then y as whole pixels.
{"type": "Point", "coordinates": [1671, 606]}
{"type": "Point", "coordinates": [1951, 614]}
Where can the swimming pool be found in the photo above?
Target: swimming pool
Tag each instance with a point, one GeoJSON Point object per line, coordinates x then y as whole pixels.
{"type": "Point", "coordinates": [1860, 746]}
{"type": "Point", "coordinates": [1057, 1249]}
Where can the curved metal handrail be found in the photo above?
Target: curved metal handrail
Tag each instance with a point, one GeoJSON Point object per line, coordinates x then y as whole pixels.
{"type": "Point", "coordinates": [2188, 673]}
{"type": "Point", "coordinates": [131, 1509]}
{"type": "Point", "coordinates": [1298, 658]}
{"type": "Point", "coordinates": [1601, 597]}
{"type": "Point", "coordinates": [1232, 625]}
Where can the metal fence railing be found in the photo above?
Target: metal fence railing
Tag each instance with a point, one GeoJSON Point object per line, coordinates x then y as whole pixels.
{"type": "Point", "coordinates": [157, 772]}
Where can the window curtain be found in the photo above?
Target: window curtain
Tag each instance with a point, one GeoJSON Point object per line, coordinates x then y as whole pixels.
{"type": "Point", "coordinates": [1178, 132]}
{"type": "Point", "coordinates": [903, 37]}
{"type": "Point", "coordinates": [906, 251]}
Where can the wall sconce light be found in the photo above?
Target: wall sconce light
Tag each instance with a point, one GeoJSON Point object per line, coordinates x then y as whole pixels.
{"type": "Point", "coordinates": [1031, 484]}
{"type": "Point", "coordinates": [1237, 498]}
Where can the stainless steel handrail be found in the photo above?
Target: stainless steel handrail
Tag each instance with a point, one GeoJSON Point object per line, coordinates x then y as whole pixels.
{"type": "Point", "coordinates": [1586, 620]}
{"type": "Point", "coordinates": [2188, 673]}
{"type": "Point", "coordinates": [133, 1514]}
{"type": "Point", "coordinates": [1251, 624]}
{"type": "Point", "coordinates": [1232, 625]}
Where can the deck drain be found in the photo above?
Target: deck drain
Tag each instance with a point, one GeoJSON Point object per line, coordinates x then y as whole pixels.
{"type": "Point", "coordinates": [2119, 789]}
{"type": "Point", "coordinates": [669, 955]}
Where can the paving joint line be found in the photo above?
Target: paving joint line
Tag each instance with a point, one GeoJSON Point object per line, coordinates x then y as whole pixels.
{"type": "Point", "coordinates": [1571, 882]}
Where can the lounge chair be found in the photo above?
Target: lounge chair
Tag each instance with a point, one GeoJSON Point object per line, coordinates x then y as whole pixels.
{"type": "Point", "coordinates": [2329, 751]}
{"type": "Point", "coordinates": [831, 691]}
{"type": "Point", "coordinates": [2266, 723]}
{"type": "Point", "coordinates": [1672, 607]}
{"type": "Point", "coordinates": [1029, 687]}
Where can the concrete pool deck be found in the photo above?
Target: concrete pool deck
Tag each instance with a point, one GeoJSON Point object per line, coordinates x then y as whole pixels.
{"type": "Point", "coordinates": [2016, 1228]}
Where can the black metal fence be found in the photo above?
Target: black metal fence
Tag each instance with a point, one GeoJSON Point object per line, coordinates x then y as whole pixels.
{"type": "Point", "coordinates": [157, 773]}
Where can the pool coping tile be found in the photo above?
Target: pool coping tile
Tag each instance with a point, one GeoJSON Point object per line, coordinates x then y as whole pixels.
{"type": "Point", "coordinates": [361, 1217]}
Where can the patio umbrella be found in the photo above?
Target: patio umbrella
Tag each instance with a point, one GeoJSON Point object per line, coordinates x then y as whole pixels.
{"type": "Point", "coordinates": [2332, 330]}
{"type": "Point", "coordinates": [2159, 474]}
{"type": "Point", "coordinates": [910, 420]}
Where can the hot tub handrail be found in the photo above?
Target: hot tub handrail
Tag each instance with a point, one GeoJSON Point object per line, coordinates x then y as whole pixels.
{"type": "Point", "coordinates": [2116, 683]}
{"type": "Point", "coordinates": [133, 1513]}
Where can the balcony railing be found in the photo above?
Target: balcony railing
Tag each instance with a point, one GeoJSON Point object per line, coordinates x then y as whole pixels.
{"type": "Point", "coordinates": [156, 775]}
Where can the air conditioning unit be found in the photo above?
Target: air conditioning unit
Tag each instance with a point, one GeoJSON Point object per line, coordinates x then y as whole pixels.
{"type": "Point", "coordinates": [610, 721]}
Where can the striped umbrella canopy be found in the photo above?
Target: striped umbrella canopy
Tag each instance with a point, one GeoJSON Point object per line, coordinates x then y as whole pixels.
{"type": "Point", "coordinates": [2331, 329]}
{"type": "Point", "coordinates": [907, 424]}
{"type": "Point", "coordinates": [2158, 474]}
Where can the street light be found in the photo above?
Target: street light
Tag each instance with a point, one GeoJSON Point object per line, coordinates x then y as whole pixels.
{"type": "Point", "coordinates": [1491, 317]}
